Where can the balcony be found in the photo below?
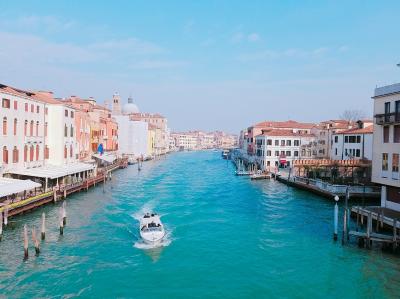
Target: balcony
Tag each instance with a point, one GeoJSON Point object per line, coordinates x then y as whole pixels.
{"type": "Point", "coordinates": [387, 118]}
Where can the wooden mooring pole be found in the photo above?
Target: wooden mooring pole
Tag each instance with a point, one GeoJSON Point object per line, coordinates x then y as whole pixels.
{"type": "Point", "coordinates": [1, 226]}
{"type": "Point", "coordinates": [35, 241]}
{"type": "Point", "coordinates": [369, 230]}
{"type": "Point", "coordinates": [394, 234]}
{"type": "Point", "coordinates": [6, 216]}
{"type": "Point", "coordinates": [61, 221]}
{"type": "Point", "coordinates": [64, 213]}
{"type": "Point", "coordinates": [26, 242]}
{"type": "Point", "coordinates": [43, 232]}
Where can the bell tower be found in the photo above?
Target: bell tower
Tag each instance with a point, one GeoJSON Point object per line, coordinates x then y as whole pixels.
{"type": "Point", "coordinates": [116, 104]}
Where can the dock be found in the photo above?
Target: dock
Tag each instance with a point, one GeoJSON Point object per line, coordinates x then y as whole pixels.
{"type": "Point", "coordinates": [328, 190]}
{"type": "Point", "coordinates": [60, 192]}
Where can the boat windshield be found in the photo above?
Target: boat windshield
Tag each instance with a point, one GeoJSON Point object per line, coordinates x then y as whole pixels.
{"type": "Point", "coordinates": [151, 229]}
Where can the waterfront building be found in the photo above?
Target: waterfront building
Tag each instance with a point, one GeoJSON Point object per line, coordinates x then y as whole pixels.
{"type": "Point", "coordinates": [386, 144]}
{"type": "Point", "coordinates": [324, 132]}
{"type": "Point", "coordinates": [186, 141]}
{"type": "Point", "coordinates": [249, 145]}
{"type": "Point", "coordinates": [23, 129]}
{"type": "Point", "coordinates": [279, 148]}
{"type": "Point", "coordinates": [151, 140]}
{"type": "Point", "coordinates": [353, 144]}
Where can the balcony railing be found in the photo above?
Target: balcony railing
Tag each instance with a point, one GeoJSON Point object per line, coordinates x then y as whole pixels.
{"type": "Point", "coordinates": [387, 118]}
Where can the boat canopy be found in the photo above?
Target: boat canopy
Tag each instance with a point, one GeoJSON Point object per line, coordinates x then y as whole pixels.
{"type": "Point", "coordinates": [110, 158]}
{"type": "Point", "coordinates": [11, 186]}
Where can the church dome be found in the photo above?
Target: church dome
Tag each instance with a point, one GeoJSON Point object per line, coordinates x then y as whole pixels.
{"type": "Point", "coordinates": [130, 107]}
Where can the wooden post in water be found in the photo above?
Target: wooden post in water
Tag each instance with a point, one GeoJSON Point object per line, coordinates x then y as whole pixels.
{"type": "Point", "coordinates": [35, 241]}
{"type": "Point", "coordinates": [65, 192]}
{"type": "Point", "coordinates": [55, 195]}
{"type": "Point", "coordinates": [382, 216]}
{"type": "Point", "coordinates": [26, 242]}
{"type": "Point", "coordinates": [358, 216]}
{"type": "Point", "coordinates": [344, 234]}
{"type": "Point", "coordinates": [61, 221]}
{"type": "Point", "coordinates": [394, 234]}
{"type": "Point", "coordinates": [6, 216]}
{"type": "Point", "coordinates": [43, 234]}
{"type": "Point", "coordinates": [1, 226]}
{"type": "Point", "coordinates": [377, 221]}
{"type": "Point", "coordinates": [369, 229]}
{"type": "Point", "coordinates": [335, 218]}
{"type": "Point", "coordinates": [64, 211]}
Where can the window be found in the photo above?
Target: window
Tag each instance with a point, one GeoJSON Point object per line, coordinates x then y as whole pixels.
{"type": "Point", "coordinates": [15, 126]}
{"type": "Point", "coordinates": [345, 152]}
{"type": "Point", "coordinates": [336, 139]}
{"type": "Point", "coordinates": [336, 151]}
{"type": "Point", "coordinates": [276, 153]}
{"type": "Point", "coordinates": [15, 155]}
{"type": "Point", "coordinates": [358, 139]}
{"type": "Point", "coordinates": [31, 153]}
{"type": "Point", "coordinates": [66, 113]}
{"type": "Point", "coordinates": [37, 152]}
{"type": "Point", "coordinates": [5, 103]}
{"type": "Point", "coordinates": [46, 152]}
{"type": "Point", "coordinates": [346, 139]}
{"type": "Point", "coordinates": [65, 130]}
{"type": "Point", "coordinates": [72, 114]}
{"type": "Point", "coordinates": [46, 110]}
{"type": "Point", "coordinates": [296, 153]}
{"type": "Point", "coordinates": [25, 153]}
{"type": "Point", "coordinates": [282, 153]}
{"type": "Point", "coordinates": [296, 142]}
{"type": "Point", "coordinates": [26, 128]}
{"type": "Point", "coordinates": [288, 153]}
{"type": "Point", "coordinates": [26, 107]}
{"type": "Point", "coordinates": [357, 153]}
{"type": "Point", "coordinates": [289, 142]}
{"type": "Point", "coordinates": [45, 129]}
{"type": "Point", "coordinates": [385, 161]}
{"type": "Point", "coordinates": [395, 163]}
{"type": "Point", "coordinates": [5, 126]}
{"type": "Point", "coordinates": [269, 142]}
{"type": "Point", "coordinates": [65, 152]}
{"type": "Point", "coordinates": [385, 134]}
{"type": "Point", "coordinates": [31, 128]}
{"type": "Point", "coordinates": [5, 155]}
{"type": "Point", "coordinates": [32, 108]}
{"type": "Point", "coordinates": [15, 105]}
{"type": "Point", "coordinates": [282, 142]}
{"type": "Point", "coordinates": [37, 128]}
{"type": "Point", "coordinates": [276, 142]}
{"type": "Point", "coordinates": [268, 153]}
{"type": "Point", "coordinates": [396, 134]}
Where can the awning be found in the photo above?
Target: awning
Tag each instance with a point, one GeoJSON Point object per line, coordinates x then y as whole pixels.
{"type": "Point", "coordinates": [105, 157]}
{"type": "Point", "coordinates": [53, 171]}
{"type": "Point", "coordinates": [12, 186]}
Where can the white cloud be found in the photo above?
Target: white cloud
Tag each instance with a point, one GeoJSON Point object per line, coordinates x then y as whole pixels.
{"type": "Point", "coordinates": [158, 64]}
{"type": "Point", "coordinates": [287, 53]}
{"type": "Point", "coordinates": [237, 37]}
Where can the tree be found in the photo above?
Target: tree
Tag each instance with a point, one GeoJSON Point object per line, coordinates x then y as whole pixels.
{"type": "Point", "coordinates": [352, 115]}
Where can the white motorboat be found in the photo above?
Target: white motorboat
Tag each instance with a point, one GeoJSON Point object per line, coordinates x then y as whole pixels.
{"type": "Point", "coordinates": [151, 228]}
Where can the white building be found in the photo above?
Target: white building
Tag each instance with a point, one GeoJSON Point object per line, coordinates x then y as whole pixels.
{"type": "Point", "coordinates": [185, 141]}
{"type": "Point", "coordinates": [132, 138]}
{"type": "Point", "coordinates": [354, 144]}
{"type": "Point", "coordinates": [280, 147]}
{"type": "Point", "coordinates": [386, 144]}
{"type": "Point", "coordinates": [23, 130]}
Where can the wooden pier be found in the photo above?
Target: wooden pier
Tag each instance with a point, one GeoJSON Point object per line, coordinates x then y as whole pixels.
{"type": "Point", "coordinates": [61, 192]}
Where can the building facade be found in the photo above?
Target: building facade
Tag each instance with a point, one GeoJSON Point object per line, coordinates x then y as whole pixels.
{"type": "Point", "coordinates": [386, 144]}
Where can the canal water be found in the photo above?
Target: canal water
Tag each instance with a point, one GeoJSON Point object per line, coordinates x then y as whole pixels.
{"type": "Point", "coordinates": [228, 237]}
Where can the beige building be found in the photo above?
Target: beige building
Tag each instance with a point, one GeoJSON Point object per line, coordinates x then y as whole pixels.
{"type": "Point", "coordinates": [386, 144]}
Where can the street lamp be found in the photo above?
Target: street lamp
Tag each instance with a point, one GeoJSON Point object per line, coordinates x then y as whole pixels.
{"type": "Point", "coordinates": [335, 218]}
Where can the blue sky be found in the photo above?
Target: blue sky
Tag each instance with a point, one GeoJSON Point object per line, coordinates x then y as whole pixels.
{"type": "Point", "coordinates": [206, 64]}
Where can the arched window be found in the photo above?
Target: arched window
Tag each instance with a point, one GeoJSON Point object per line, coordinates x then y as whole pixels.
{"type": "Point", "coordinates": [37, 128]}
{"type": "Point", "coordinates": [31, 153]}
{"type": "Point", "coordinates": [45, 129]}
{"type": "Point", "coordinates": [5, 155]}
{"type": "Point", "coordinates": [15, 126]}
{"type": "Point", "coordinates": [26, 128]}
{"type": "Point", "coordinates": [37, 152]}
{"type": "Point", "coordinates": [5, 126]}
{"type": "Point", "coordinates": [25, 153]}
{"type": "Point", "coordinates": [70, 151]}
{"type": "Point", "coordinates": [65, 152]}
{"type": "Point", "coordinates": [46, 152]}
{"type": "Point", "coordinates": [31, 129]}
{"type": "Point", "coordinates": [72, 131]}
{"type": "Point", "coordinates": [15, 155]}
{"type": "Point", "coordinates": [65, 131]}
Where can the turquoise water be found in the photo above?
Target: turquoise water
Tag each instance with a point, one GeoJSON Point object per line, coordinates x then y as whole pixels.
{"type": "Point", "coordinates": [228, 237]}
